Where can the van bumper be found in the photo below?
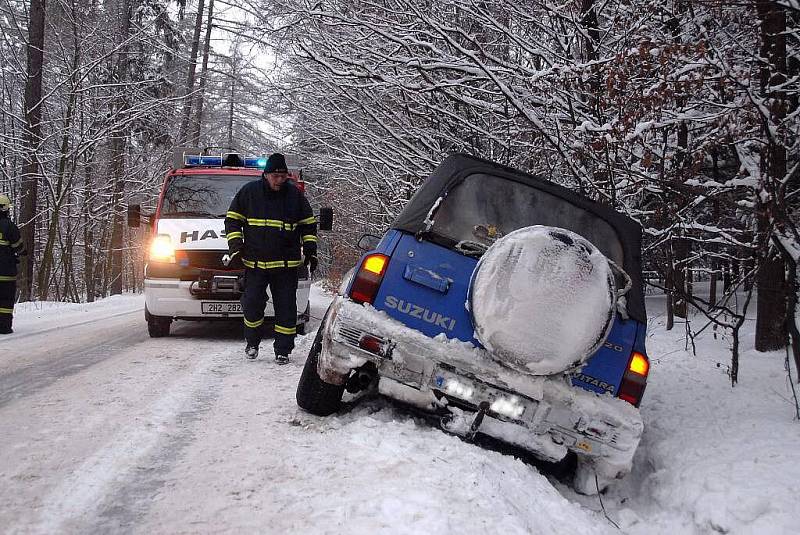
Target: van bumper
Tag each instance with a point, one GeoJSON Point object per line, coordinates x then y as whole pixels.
{"type": "Point", "coordinates": [544, 415]}
{"type": "Point", "coordinates": [174, 298]}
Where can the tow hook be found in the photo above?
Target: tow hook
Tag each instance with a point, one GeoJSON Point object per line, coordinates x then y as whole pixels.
{"type": "Point", "coordinates": [458, 423]}
{"type": "Point", "coordinates": [477, 421]}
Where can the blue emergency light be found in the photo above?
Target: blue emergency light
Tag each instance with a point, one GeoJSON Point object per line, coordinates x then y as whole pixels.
{"type": "Point", "coordinates": [258, 162]}
{"type": "Point", "coordinates": [195, 160]}
{"type": "Point", "coordinates": [205, 161]}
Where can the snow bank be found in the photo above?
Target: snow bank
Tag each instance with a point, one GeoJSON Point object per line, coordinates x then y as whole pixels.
{"type": "Point", "coordinates": [38, 316]}
{"type": "Point", "coordinates": [713, 458]}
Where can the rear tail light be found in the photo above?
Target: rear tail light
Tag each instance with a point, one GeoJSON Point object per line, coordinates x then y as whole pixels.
{"type": "Point", "coordinates": [370, 343]}
{"type": "Point", "coordinates": [634, 380]}
{"type": "Point", "coordinates": [368, 278]}
{"type": "Point", "coordinates": [639, 364]}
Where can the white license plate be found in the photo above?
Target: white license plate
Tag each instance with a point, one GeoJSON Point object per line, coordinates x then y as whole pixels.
{"type": "Point", "coordinates": [221, 307]}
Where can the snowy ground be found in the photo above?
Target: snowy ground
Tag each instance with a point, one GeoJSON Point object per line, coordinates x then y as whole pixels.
{"type": "Point", "coordinates": [103, 429]}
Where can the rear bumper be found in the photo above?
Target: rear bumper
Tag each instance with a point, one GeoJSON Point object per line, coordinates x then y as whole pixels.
{"type": "Point", "coordinates": [545, 415]}
{"type": "Point", "coordinates": [174, 298]}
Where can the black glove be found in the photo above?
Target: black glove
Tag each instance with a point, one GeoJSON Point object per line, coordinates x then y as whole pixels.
{"type": "Point", "coordinates": [311, 262]}
{"type": "Point", "coordinates": [233, 260]}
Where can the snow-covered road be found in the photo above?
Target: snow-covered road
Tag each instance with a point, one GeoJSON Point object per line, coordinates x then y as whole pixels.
{"type": "Point", "coordinates": [47, 355]}
{"type": "Point", "coordinates": [105, 430]}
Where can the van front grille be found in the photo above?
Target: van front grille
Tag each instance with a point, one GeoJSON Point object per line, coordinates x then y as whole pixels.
{"type": "Point", "coordinates": [202, 259]}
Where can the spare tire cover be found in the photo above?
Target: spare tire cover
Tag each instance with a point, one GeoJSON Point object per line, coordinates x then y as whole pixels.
{"type": "Point", "coordinates": [542, 300]}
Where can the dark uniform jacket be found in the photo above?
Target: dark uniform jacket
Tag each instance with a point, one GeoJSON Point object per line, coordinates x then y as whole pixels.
{"type": "Point", "coordinates": [268, 227]}
{"type": "Point", "coordinates": [10, 245]}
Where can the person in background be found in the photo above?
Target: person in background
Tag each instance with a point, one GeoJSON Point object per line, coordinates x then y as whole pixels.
{"type": "Point", "coordinates": [10, 249]}
{"type": "Point", "coordinates": [267, 224]}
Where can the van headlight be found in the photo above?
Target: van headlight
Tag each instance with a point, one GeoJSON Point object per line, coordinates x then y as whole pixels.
{"type": "Point", "coordinates": [162, 250]}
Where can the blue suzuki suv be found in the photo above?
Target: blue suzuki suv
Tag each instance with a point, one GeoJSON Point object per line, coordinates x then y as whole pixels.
{"type": "Point", "coordinates": [509, 305]}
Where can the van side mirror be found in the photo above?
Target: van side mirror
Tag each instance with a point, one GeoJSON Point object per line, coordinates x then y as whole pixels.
{"type": "Point", "coordinates": [326, 218]}
{"type": "Point", "coordinates": [134, 215]}
{"type": "Point", "coordinates": [368, 242]}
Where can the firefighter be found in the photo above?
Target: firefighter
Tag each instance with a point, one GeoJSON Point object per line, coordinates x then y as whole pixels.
{"type": "Point", "coordinates": [267, 224]}
{"type": "Point", "coordinates": [10, 249]}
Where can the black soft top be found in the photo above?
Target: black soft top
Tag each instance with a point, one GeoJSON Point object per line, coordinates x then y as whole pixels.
{"type": "Point", "coordinates": [457, 167]}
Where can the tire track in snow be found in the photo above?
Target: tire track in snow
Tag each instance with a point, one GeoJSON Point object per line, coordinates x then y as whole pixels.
{"type": "Point", "coordinates": [31, 378]}
{"type": "Point", "coordinates": [111, 490]}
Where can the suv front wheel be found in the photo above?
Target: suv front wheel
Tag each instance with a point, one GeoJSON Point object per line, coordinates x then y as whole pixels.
{"type": "Point", "coordinates": [313, 394]}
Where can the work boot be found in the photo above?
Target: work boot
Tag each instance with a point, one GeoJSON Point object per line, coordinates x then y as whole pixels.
{"type": "Point", "coordinates": [281, 359]}
{"type": "Point", "coordinates": [8, 330]}
{"type": "Point", "coordinates": [251, 352]}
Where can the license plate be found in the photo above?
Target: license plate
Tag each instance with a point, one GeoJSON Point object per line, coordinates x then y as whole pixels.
{"type": "Point", "coordinates": [221, 307]}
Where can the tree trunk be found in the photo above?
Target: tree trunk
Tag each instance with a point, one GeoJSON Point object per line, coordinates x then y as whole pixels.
{"type": "Point", "coordinates": [61, 191]}
{"type": "Point", "coordinates": [198, 119]}
{"type": "Point", "coordinates": [669, 285]}
{"type": "Point", "coordinates": [792, 316]}
{"type": "Point", "coordinates": [727, 270]}
{"type": "Point", "coordinates": [231, 104]}
{"type": "Point", "coordinates": [771, 279]}
{"type": "Point", "coordinates": [88, 237]}
{"type": "Point", "coordinates": [118, 143]}
{"type": "Point", "coordinates": [32, 139]}
{"type": "Point", "coordinates": [188, 94]}
{"type": "Point", "coordinates": [771, 304]}
{"type": "Point", "coordinates": [712, 290]}
{"type": "Point", "coordinates": [681, 248]}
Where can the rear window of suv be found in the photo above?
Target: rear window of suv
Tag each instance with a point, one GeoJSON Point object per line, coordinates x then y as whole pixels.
{"type": "Point", "coordinates": [482, 204]}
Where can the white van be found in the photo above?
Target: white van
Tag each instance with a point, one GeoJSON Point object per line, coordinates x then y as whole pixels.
{"type": "Point", "coordinates": [184, 275]}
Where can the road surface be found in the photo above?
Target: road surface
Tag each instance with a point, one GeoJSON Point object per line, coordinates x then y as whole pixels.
{"type": "Point", "coordinates": [105, 430]}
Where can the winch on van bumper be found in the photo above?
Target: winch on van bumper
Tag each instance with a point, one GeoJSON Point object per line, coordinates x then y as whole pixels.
{"type": "Point", "coordinates": [545, 415]}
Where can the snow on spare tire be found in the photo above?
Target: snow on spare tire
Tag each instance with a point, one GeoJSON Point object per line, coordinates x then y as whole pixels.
{"type": "Point", "coordinates": [542, 300]}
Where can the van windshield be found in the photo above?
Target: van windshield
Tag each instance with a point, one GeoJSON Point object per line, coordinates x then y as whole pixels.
{"type": "Point", "coordinates": [206, 196]}
{"type": "Point", "coordinates": [485, 207]}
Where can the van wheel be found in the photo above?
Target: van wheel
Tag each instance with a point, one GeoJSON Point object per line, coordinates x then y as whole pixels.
{"type": "Point", "coordinates": [313, 394]}
{"type": "Point", "coordinates": [158, 327]}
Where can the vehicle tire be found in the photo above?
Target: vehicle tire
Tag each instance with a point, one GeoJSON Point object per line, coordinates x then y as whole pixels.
{"type": "Point", "coordinates": [158, 327]}
{"type": "Point", "coordinates": [313, 394]}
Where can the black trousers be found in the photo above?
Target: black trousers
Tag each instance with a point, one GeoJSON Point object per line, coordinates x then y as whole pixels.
{"type": "Point", "coordinates": [8, 294]}
{"type": "Point", "coordinates": [282, 284]}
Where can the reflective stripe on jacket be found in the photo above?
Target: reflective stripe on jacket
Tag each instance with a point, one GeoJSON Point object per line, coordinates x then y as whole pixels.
{"type": "Point", "coordinates": [268, 227]}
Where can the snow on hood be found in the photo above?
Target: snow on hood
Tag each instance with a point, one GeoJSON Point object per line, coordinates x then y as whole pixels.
{"type": "Point", "coordinates": [542, 299]}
